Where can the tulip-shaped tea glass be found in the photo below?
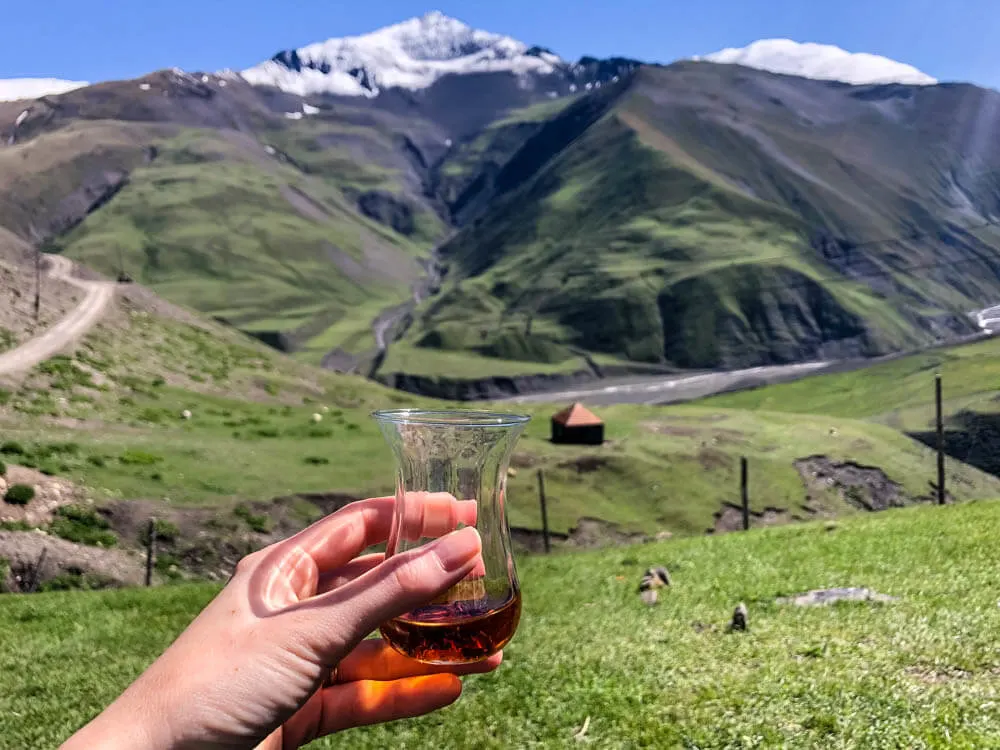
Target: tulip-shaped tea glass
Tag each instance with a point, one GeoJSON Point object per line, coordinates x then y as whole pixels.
{"type": "Point", "coordinates": [451, 472]}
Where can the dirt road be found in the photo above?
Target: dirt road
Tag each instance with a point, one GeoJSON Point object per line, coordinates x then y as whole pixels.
{"type": "Point", "coordinates": [68, 330]}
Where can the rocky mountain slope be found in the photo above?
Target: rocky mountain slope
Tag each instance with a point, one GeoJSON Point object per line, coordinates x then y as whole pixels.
{"type": "Point", "coordinates": [589, 214]}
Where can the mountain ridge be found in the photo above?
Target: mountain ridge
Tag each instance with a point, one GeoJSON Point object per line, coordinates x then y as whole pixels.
{"type": "Point", "coordinates": [696, 215]}
{"type": "Point", "coordinates": [414, 53]}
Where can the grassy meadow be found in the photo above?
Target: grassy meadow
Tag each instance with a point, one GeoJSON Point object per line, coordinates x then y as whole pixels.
{"type": "Point", "coordinates": [899, 392]}
{"type": "Point", "coordinates": [920, 672]}
{"type": "Point", "coordinates": [252, 438]}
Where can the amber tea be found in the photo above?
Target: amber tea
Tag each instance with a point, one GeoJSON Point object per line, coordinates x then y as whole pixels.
{"type": "Point", "coordinates": [451, 472]}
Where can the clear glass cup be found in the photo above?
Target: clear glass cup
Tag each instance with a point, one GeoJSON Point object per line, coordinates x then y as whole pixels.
{"type": "Point", "coordinates": [451, 472]}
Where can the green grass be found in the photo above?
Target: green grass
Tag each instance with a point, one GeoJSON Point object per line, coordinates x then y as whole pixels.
{"type": "Point", "coordinates": [119, 433]}
{"type": "Point", "coordinates": [900, 391]}
{"type": "Point", "coordinates": [918, 673]}
{"type": "Point", "coordinates": [495, 145]}
{"type": "Point", "coordinates": [660, 469]}
{"type": "Point", "coordinates": [353, 334]}
{"type": "Point", "coordinates": [413, 360]}
{"type": "Point", "coordinates": [114, 426]}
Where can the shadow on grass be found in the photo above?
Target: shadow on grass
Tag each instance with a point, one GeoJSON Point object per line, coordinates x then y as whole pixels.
{"type": "Point", "coordinates": [970, 437]}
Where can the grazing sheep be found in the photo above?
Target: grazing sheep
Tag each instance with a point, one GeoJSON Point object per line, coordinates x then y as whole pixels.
{"type": "Point", "coordinates": [186, 414]}
{"type": "Point", "coordinates": [655, 578]}
{"type": "Point", "coordinates": [317, 418]}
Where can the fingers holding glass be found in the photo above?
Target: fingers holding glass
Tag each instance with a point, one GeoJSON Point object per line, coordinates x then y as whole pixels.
{"type": "Point", "coordinates": [428, 515]}
{"type": "Point", "coordinates": [374, 659]}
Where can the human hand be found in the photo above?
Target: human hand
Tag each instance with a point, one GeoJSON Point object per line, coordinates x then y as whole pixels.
{"type": "Point", "coordinates": [256, 667]}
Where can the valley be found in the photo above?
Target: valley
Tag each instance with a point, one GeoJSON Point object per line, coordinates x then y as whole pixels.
{"type": "Point", "coordinates": [752, 265]}
{"type": "Point", "coordinates": [710, 216]}
{"type": "Point", "coordinates": [294, 249]}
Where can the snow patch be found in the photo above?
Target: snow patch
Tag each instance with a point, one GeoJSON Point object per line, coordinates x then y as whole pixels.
{"type": "Point", "coordinates": [294, 115]}
{"type": "Point", "coordinates": [144, 87]}
{"type": "Point", "coordinates": [411, 55]}
{"type": "Point", "coordinates": [14, 89]}
{"type": "Point", "coordinates": [308, 109]}
{"type": "Point", "coordinates": [820, 61]}
{"type": "Point", "coordinates": [21, 118]}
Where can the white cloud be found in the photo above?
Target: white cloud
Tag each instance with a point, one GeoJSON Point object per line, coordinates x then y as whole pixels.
{"type": "Point", "coordinates": [820, 61]}
{"type": "Point", "coordinates": [13, 89]}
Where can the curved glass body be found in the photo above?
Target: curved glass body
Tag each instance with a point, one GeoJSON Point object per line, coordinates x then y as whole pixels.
{"type": "Point", "coordinates": [451, 472]}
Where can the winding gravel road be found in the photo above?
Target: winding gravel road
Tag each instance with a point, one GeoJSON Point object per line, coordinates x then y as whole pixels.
{"type": "Point", "coordinates": [68, 330]}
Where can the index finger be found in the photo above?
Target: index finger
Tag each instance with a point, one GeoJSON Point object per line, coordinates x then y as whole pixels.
{"type": "Point", "coordinates": [340, 537]}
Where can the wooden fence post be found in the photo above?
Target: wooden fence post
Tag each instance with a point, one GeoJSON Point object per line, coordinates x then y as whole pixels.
{"type": "Point", "coordinates": [35, 572]}
{"type": "Point", "coordinates": [940, 440]}
{"type": "Point", "coordinates": [150, 551]}
{"type": "Point", "coordinates": [744, 491]}
{"type": "Point", "coordinates": [545, 512]}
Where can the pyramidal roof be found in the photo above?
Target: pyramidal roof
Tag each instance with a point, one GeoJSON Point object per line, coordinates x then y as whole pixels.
{"type": "Point", "coordinates": [577, 415]}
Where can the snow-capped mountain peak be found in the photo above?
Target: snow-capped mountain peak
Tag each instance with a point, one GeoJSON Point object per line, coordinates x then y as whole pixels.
{"type": "Point", "coordinates": [412, 54]}
{"type": "Point", "coordinates": [13, 89]}
{"type": "Point", "coordinates": [820, 61]}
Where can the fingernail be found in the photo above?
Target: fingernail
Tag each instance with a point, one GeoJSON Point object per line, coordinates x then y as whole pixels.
{"type": "Point", "coordinates": [456, 549]}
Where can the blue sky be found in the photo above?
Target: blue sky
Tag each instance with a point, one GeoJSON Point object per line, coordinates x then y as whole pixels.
{"type": "Point", "coordinates": [949, 39]}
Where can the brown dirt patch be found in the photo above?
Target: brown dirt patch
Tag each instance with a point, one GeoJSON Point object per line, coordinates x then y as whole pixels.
{"type": "Point", "coordinates": [730, 518]}
{"type": "Point", "coordinates": [589, 533]}
{"type": "Point", "coordinates": [710, 436]}
{"type": "Point", "coordinates": [864, 487]}
{"type": "Point", "coordinates": [712, 459]}
{"type": "Point", "coordinates": [209, 542]}
{"type": "Point", "coordinates": [585, 464]}
{"type": "Point", "coordinates": [25, 551]}
{"type": "Point", "coordinates": [674, 430]}
{"type": "Point", "coordinates": [17, 303]}
{"type": "Point", "coordinates": [935, 675]}
{"type": "Point", "coordinates": [523, 461]}
{"type": "Point", "coordinates": [50, 493]}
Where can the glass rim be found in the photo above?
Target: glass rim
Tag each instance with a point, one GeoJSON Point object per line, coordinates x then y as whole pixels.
{"type": "Point", "coordinates": [450, 417]}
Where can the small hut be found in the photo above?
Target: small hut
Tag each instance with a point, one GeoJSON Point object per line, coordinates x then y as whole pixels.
{"type": "Point", "coordinates": [577, 425]}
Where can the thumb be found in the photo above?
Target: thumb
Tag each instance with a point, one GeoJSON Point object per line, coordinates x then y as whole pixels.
{"type": "Point", "coordinates": [341, 619]}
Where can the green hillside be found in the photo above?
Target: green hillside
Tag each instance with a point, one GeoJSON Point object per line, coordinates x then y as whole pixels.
{"type": "Point", "coordinates": [646, 224]}
{"type": "Point", "coordinates": [917, 672]}
{"type": "Point", "coordinates": [692, 216]}
{"type": "Point", "coordinates": [252, 438]}
{"type": "Point", "coordinates": [299, 231]}
{"type": "Point", "coordinates": [224, 228]}
{"type": "Point", "coordinates": [899, 392]}
{"type": "Point", "coordinates": [617, 248]}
